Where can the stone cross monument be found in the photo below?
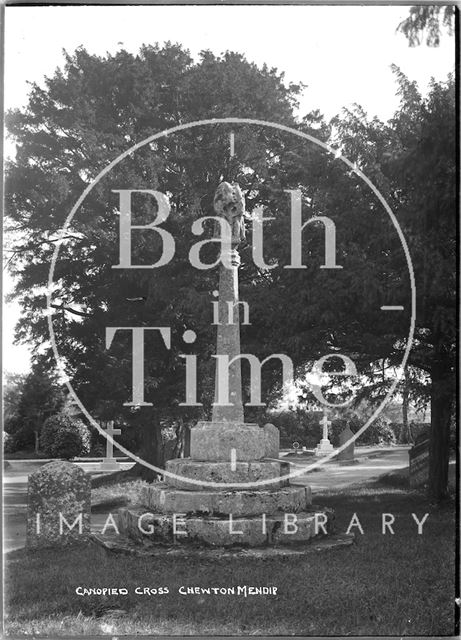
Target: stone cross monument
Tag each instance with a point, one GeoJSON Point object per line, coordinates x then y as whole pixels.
{"type": "Point", "coordinates": [324, 447]}
{"type": "Point", "coordinates": [227, 437]}
{"type": "Point", "coordinates": [240, 493]}
{"type": "Point", "coordinates": [109, 463]}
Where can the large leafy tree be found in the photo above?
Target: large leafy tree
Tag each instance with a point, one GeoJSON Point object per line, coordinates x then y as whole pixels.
{"type": "Point", "coordinates": [425, 166]}
{"type": "Point", "coordinates": [29, 400]}
{"type": "Point", "coordinates": [96, 108]}
{"type": "Point", "coordinates": [413, 159]}
{"type": "Point", "coordinates": [427, 23]}
{"type": "Point", "coordinates": [12, 391]}
{"type": "Point", "coordinates": [87, 114]}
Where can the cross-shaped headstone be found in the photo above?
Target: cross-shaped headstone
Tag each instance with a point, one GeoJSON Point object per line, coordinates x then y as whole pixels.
{"type": "Point", "coordinates": [324, 447]}
{"type": "Point", "coordinates": [109, 462]}
{"type": "Point", "coordinates": [325, 424]}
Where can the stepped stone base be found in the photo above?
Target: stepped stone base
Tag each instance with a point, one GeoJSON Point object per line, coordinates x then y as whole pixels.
{"type": "Point", "coordinates": [221, 472]}
{"type": "Point", "coordinates": [324, 448]}
{"type": "Point", "coordinates": [163, 499]}
{"type": "Point", "coordinates": [179, 513]}
{"type": "Point", "coordinates": [110, 464]}
{"type": "Point", "coordinates": [215, 441]}
{"type": "Point", "coordinates": [282, 529]}
{"type": "Point", "coordinates": [126, 546]}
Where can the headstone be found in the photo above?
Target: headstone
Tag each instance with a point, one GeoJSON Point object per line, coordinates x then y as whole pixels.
{"type": "Point", "coordinates": [109, 463]}
{"type": "Point", "coordinates": [419, 464]}
{"type": "Point", "coordinates": [347, 454]}
{"type": "Point", "coordinates": [324, 447]}
{"type": "Point", "coordinates": [272, 438]}
{"type": "Point", "coordinates": [58, 505]}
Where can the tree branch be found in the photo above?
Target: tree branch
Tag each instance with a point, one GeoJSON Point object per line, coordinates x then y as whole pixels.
{"type": "Point", "coordinates": [63, 307]}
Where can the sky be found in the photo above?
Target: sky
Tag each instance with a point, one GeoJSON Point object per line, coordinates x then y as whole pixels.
{"type": "Point", "coordinates": [342, 53]}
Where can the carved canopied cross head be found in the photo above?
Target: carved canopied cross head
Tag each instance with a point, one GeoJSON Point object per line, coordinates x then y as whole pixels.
{"type": "Point", "coordinates": [230, 203]}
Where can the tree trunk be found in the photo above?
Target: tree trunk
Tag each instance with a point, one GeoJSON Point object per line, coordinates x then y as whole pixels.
{"type": "Point", "coordinates": [36, 442]}
{"type": "Point", "coordinates": [182, 446]}
{"type": "Point", "coordinates": [439, 443]}
{"type": "Point", "coordinates": [186, 449]}
{"type": "Point", "coordinates": [405, 399]}
{"type": "Point", "coordinates": [152, 450]}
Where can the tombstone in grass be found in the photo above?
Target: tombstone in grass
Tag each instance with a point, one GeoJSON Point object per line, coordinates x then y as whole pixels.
{"type": "Point", "coordinates": [58, 505]}
{"type": "Point", "coordinates": [109, 463]}
{"type": "Point", "coordinates": [324, 447]}
{"type": "Point", "coordinates": [346, 456]}
{"type": "Point", "coordinates": [419, 463]}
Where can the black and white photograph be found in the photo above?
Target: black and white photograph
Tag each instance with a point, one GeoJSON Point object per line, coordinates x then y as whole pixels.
{"type": "Point", "coordinates": [230, 320]}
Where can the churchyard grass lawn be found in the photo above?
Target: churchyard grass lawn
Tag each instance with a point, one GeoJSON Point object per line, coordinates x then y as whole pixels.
{"type": "Point", "coordinates": [401, 584]}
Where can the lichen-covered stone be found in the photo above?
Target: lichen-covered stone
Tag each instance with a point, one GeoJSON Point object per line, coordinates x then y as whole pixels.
{"type": "Point", "coordinates": [272, 440]}
{"type": "Point", "coordinates": [346, 437]}
{"type": "Point", "coordinates": [139, 524]}
{"type": "Point", "coordinates": [58, 505]}
{"type": "Point", "coordinates": [419, 464]}
{"type": "Point", "coordinates": [160, 498]}
{"type": "Point", "coordinates": [223, 472]}
{"type": "Point", "coordinates": [215, 441]}
{"type": "Point", "coordinates": [255, 531]}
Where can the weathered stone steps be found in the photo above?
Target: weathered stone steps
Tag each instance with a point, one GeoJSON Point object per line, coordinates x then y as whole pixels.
{"type": "Point", "coordinates": [163, 499]}
{"type": "Point", "coordinates": [222, 472]}
{"type": "Point", "coordinates": [257, 531]}
{"type": "Point", "coordinates": [217, 441]}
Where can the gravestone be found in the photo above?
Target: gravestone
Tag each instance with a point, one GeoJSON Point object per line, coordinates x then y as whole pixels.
{"type": "Point", "coordinates": [109, 463]}
{"type": "Point", "coordinates": [419, 464]}
{"type": "Point", "coordinates": [346, 456]}
{"type": "Point", "coordinates": [324, 447]}
{"type": "Point", "coordinates": [58, 505]}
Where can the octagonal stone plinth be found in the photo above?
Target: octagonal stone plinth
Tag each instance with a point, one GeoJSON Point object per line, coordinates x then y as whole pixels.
{"type": "Point", "coordinates": [216, 441]}
{"type": "Point", "coordinates": [254, 531]}
{"type": "Point", "coordinates": [163, 499]}
{"type": "Point", "coordinates": [223, 472]}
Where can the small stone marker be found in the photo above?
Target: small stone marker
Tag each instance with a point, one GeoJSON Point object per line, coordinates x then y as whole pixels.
{"type": "Point", "coordinates": [272, 440]}
{"type": "Point", "coordinates": [58, 505]}
{"type": "Point", "coordinates": [347, 454]}
{"type": "Point", "coordinates": [109, 463]}
{"type": "Point", "coordinates": [419, 464]}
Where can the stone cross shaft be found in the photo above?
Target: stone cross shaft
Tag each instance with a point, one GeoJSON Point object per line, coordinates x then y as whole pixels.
{"type": "Point", "coordinates": [229, 204]}
{"type": "Point", "coordinates": [325, 424]}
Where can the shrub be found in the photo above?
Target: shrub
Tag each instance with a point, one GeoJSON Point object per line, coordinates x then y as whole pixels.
{"type": "Point", "coordinates": [98, 451]}
{"type": "Point", "coordinates": [8, 443]}
{"type": "Point", "coordinates": [65, 437]}
{"type": "Point", "coordinates": [379, 432]}
{"type": "Point", "coordinates": [304, 426]}
{"type": "Point", "coordinates": [20, 440]}
{"type": "Point", "coordinates": [300, 426]}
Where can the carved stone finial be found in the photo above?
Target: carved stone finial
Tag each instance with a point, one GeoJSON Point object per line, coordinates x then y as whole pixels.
{"type": "Point", "coordinates": [230, 203]}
